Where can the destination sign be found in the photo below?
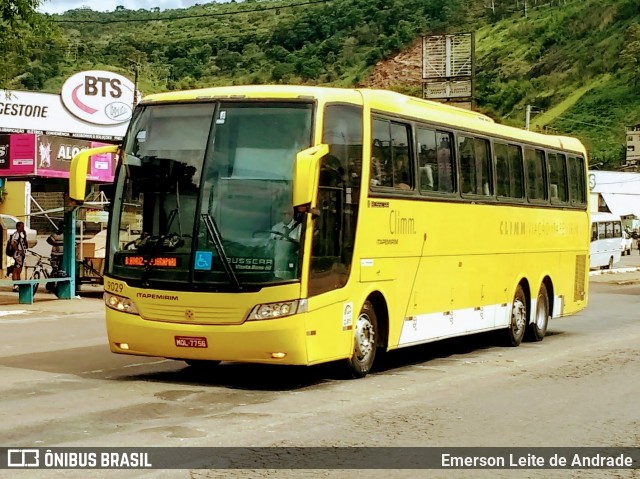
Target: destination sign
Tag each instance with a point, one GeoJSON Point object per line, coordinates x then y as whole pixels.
{"type": "Point", "coordinates": [160, 261]}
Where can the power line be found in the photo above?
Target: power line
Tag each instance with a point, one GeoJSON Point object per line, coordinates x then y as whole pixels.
{"type": "Point", "coordinates": [203, 15]}
{"type": "Point", "coordinates": [585, 123]}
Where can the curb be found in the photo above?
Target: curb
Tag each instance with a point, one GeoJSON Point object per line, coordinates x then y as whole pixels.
{"type": "Point", "coordinates": [613, 271]}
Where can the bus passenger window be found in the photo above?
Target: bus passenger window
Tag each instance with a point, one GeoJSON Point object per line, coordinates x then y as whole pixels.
{"type": "Point", "coordinates": [475, 166]}
{"type": "Point", "coordinates": [557, 174]}
{"type": "Point", "coordinates": [577, 188]}
{"type": "Point", "coordinates": [427, 167]}
{"type": "Point", "coordinates": [381, 172]}
{"type": "Point", "coordinates": [536, 188]}
{"type": "Point", "coordinates": [467, 165]}
{"type": "Point", "coordinates": [509, 171]}
{"type": "Point", "coordinates": [391, 164]}
{"type": "Point", "coordinates": [445, 160]}
{"type": "Point", "coordinates": [401, 157]}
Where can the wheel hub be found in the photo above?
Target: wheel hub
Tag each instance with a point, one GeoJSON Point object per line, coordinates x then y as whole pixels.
{"type": "Point", "coordinates": [520, 315]}
{"type": "Point", "coordinates": [365, 337]}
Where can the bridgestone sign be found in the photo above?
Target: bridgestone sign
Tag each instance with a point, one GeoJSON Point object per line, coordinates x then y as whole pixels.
{"type": "Point", "coordinates": [94, 105]}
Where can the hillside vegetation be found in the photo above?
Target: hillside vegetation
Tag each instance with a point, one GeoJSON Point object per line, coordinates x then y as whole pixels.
{"type": "Point", "coordinates": [575, 61]}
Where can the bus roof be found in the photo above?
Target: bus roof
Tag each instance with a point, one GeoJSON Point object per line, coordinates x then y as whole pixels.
{"type": "Point", "coordinates": [380, 100]}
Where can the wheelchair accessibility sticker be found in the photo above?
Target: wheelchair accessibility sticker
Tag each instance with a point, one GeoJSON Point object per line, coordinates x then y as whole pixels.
{"type": "Point", "coordinates": [203, 260]}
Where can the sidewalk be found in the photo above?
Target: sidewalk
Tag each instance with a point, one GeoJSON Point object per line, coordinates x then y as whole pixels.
{"type": "Point", "coordinates": [47, 304]}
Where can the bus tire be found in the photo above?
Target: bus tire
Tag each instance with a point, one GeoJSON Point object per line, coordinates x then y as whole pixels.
{"type": "Point", "coordinates": [202, 364]}
{"type": "Point", "coordinates": [365, 342]}
{"type": "Point", "coordinates": [518, 319]}
{"type": "Point", "coordinates": [537, 329]}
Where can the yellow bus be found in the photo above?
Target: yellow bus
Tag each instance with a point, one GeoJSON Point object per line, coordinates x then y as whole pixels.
{"type": "Point", "coordinates": [301, 225]}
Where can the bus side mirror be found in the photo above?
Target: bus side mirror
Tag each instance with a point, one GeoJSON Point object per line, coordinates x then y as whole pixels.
{"type": "Point", "coordinates": [78, 171]}
{"type": "Point", "coordinates": [305, 175]}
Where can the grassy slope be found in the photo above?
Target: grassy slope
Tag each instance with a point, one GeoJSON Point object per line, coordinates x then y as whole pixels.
{"type": "Point", "coordinates": [563, 61]}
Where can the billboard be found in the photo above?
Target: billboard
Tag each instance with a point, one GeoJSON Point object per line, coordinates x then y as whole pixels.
{"type": "Point", "coordinates": [448, 66]}
{"type": "Point", "coordinates": [50, 156]}
{"type": "Point", "coordinates": [99, 97]}
{"type": "Point", "coordinates": [94, 105]}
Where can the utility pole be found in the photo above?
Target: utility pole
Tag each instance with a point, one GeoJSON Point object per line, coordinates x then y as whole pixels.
{"type": "Point", "coordinates": [527, 121]}
{"type": "Point", "coordinates": [136, 70]}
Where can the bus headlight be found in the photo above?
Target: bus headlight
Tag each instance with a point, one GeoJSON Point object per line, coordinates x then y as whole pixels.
{"type": "Point", "coordinates": [120, 303]}
{"type": "Point", "coordinates": [278, 310]}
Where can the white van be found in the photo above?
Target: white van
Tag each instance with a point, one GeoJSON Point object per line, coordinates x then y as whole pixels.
{"type": "Point", "coordinates": [606, 240]}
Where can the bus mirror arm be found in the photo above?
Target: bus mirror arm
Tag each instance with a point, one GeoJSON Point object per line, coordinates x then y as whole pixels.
{"type": "Point", "coordinates": [306, 172]}
{"type": "Point", "coordinates": [78, 172]}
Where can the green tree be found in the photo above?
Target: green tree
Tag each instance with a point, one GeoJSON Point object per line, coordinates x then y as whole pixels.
{"type": "Point", "coordinates": [12, 11]}
{"type": "Point", "coordinates": [630, 55]}
{"type": "Point", "coordinates": [26, 42]}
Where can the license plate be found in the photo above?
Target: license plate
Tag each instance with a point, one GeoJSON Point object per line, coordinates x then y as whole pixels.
{"type": "Point", "coordinates": [190, 342]}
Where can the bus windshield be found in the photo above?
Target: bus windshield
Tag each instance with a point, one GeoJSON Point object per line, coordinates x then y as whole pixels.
{"type": "Point", "coordinates": [204, 194]}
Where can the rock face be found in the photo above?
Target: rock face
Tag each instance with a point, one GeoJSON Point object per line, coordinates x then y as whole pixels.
{"type": "Point", "coordinates": [403, 69]}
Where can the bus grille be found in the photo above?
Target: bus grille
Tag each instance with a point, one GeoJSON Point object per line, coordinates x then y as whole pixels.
{"type": "Point", "coordinates": [579, 283]}
{"type": "Point", "coordinates": [192, 315]}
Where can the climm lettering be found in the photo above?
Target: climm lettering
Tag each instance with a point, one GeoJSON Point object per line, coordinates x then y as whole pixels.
{"type": "Point", "coordinates": [401, 225]}
{"type": "Point", "coordinates": [515, 228]}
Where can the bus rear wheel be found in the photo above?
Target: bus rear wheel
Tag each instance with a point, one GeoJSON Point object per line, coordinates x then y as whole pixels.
{"type": "Point", "coordinates": [365, 342]}
{"type": "Point", "coordinates": [518, 321]}
{"type": "Point", "coordinates": [538, 327]}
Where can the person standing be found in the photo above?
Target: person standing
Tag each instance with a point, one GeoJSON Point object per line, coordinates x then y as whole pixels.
{"type": "Point", "coordinates": [19, 245]}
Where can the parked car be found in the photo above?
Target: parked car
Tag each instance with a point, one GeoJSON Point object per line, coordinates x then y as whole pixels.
{"type": "Point", "coordinates": [10, 223]}
{"type": "Point", "coordinates": [627, 242]}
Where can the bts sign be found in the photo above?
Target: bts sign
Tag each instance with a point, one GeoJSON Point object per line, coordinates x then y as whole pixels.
{"type": "Point", "coordinates": [99, 97]}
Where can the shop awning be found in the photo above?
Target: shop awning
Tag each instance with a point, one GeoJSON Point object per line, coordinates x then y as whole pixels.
{"type": "Point", "coordinates": [622, 204]}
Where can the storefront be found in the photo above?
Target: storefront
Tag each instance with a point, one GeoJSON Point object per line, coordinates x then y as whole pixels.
{"type": "Point", "coordinates": [41, 132]}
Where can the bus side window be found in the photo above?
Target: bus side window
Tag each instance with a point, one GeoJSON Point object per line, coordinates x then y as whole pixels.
{"type": "Point", "coordinates": [391, 164]}
{"type": "Point", "coordinates": [502, 168]}
{"type": "Point", "coordinates": [427, 161]}
{"type": "Point", "coordinates": [536, 179]}
{"type": "Point", "coordinates": [557, 174]}
{"type": "Point", "coordinates": [467, 165]}
{"type": "Point", "coordinates": [402, 164]}
{"type": "Point", "coordinates": [608, 229]}
{"type": "Point", "coordinates": [577, 183]}
{"type": "Point", "coordinates": [617, 229]}
{"type": "Point", "coordinates": [475, 166]}
{"type": "Point", "coordinates": [594, 232]}
{"type": "Point", "coordinates": [381, 171]}
{"type": "Point", "coordinates": [445, 160]}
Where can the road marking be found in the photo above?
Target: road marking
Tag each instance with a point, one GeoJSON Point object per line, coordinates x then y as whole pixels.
{"type": "Point", "coordinates": [16, 311]}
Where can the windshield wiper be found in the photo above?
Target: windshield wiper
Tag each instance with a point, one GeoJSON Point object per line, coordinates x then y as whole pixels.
{"type": "Point", "coordinates": [214, 234]}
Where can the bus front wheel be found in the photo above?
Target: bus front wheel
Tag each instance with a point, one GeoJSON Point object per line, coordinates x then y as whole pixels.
{"type": "Point", "coordinates": [365, 342]}
{"type": "Point", "coordinates": [538, 327]}
{"type": "Point", "coordinates": [518, 320]}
